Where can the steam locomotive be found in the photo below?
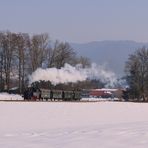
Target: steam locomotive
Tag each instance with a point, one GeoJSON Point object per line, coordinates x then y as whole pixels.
{"type": "Point", "coordinates": [32, 94]}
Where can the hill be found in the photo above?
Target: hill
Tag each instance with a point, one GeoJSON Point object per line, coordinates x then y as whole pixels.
{"type": "Point", "coordinates": [113, 54]}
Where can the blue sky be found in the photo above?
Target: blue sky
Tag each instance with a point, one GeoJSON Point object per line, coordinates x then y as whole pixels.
{"type": "Point", "coordinates": [77, 20]}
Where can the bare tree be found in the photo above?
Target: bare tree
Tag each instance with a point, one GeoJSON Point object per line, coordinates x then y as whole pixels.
{"type": "Point", "coordinates": [21, 45]}
{"type": "Point", "coordinates": [38, 50]}
{"type": "Point", "coordinates": [8, 50]}
{"type": "Point", "coordinates": [137, 74]}
{"type": "Point", "coordinates": [1, 64]}
{"type": "Point", "coordinates": [63, 53]}
{"type": "Point", "coordinates": [84, 61]}
{"type": "Point", "coordinates": [1, 71]}
{"type": "Point", "coordinates": [51, 54]}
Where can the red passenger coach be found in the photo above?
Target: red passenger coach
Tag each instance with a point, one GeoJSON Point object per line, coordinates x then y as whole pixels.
{"type": "Point", "coordinates": [103, 93]}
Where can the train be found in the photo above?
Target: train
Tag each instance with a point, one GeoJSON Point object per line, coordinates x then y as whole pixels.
{"type": "Point", "coordinates": [32, 94]}
{"type": "Point", "coordinates": [37, 93]}
{"type": "Point", "coordinates": [42, 94]}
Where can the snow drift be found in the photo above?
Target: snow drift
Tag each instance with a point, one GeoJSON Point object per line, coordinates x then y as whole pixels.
{"type": "Point", "coordinates": [6, 96]}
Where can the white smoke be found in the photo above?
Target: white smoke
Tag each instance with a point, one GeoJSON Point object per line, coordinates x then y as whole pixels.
{"type": "Point", "coordinates": [69, 73]}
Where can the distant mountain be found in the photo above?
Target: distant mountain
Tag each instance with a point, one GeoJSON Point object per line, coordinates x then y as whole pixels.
{"type": "Point", "coordinates": [112, 53]}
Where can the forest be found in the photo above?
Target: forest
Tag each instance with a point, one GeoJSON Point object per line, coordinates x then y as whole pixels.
{"type": "Point", "coordinates": [21, 54]}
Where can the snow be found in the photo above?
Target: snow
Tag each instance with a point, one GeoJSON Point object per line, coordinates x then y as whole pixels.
{"type": "Point", "coordinates": [73, 125]}
{"type": "Point", "coordinates": [6, 96]}
{"type": "Point", "coordinates": [95, 99]}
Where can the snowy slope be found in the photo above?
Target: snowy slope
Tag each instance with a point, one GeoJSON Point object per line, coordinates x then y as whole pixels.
{"type": "Point", "coordinates": [73, 125]}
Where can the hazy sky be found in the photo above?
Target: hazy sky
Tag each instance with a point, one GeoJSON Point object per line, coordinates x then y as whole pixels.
{"type": "Point", "coordinates": [77, 20]}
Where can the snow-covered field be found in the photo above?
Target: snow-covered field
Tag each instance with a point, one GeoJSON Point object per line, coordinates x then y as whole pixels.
{"type": "Point", "coordinates": [73, 125]}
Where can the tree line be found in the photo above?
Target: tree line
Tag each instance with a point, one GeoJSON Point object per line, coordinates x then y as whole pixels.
{"type": "Point", "coordinates": [21, 54]}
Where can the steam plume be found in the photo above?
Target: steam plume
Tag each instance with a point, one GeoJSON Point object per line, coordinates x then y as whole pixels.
{"type": "Point", "coordinates": [69, 73]}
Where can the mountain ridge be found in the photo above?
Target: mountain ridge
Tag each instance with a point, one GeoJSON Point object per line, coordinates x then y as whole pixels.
{"type": "Point", "coordinates": [112, 53]}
